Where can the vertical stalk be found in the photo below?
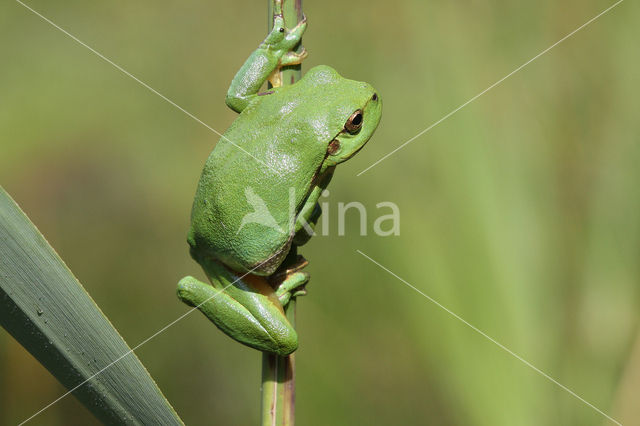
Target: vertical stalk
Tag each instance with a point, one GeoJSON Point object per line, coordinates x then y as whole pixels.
{"type": "Point", "coordinates": [278, 373]}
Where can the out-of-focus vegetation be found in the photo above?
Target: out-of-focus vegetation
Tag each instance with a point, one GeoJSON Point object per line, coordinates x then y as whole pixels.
{"type": "Point", "coordinates": [519, 213]}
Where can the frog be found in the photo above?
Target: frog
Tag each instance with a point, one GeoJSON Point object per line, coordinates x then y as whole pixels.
{"type": "Point", "coordinates": [257, 197]}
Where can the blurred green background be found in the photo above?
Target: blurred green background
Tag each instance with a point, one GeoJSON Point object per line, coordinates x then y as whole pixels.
{"type": "Point", "coordinates": [519, 213]}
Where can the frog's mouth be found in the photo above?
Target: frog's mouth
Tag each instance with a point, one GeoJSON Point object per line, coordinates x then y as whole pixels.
{"type": "Point", "coordinates": [356, 151]}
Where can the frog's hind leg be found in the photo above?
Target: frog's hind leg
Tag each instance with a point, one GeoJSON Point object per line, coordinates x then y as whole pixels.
{"type": "Point", "coordinates": [289, 281]}
{"type": "Point", "coordinates": [243, 313]}
{"type": "Point", "coordinates": [292, 286]}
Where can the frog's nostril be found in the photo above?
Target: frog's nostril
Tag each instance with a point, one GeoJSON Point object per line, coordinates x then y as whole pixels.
{"type": "Point", "coordinates": [374, 97]}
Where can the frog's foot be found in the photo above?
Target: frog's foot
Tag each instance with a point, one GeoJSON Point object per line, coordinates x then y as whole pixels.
{"type": "Point", "coordinates": [284, 40]}
{"type": "Point", "coordinates": [282, 44]}
{"type": "Point", "coordinates": [293, 58]}
{"type": "Point", "coordinates": [292, 286]}
{"type": "Point", "coordinates": [284, 48]}
{"type": "Point", "coordinates": [295, 33]}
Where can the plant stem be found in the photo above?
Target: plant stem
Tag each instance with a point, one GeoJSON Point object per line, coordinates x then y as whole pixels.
{"type": "Point", "coordinates": [278, 373]}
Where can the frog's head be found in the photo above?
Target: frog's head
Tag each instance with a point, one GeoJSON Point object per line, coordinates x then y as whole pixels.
{"type": "Point", "coordinates": [351, 109]}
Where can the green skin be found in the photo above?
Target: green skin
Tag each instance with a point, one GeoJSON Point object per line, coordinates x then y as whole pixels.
{"type": "Point", "coordinates": [298, 133]}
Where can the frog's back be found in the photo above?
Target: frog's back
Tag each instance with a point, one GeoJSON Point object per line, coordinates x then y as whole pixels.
{"type": "Point", "coordinates": [256, 179]}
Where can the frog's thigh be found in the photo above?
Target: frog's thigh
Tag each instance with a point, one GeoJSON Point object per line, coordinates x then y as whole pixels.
{"type": "Point", "coordinates": [249, 321]}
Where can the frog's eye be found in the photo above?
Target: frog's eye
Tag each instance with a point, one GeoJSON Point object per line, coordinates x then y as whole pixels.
{"type": "Point", "coordinates": [334, 146]}
{"type": "Point", "coordinates": [281, 29]}
{"type": "Point", "coordinates": [354, 123]}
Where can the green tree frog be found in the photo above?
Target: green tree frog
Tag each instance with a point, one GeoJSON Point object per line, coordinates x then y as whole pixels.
{"type": "Point", "coordinates": [259, 188]}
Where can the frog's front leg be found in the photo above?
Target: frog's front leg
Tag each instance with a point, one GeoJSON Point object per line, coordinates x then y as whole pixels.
{"type": "Point", "coordinates": [310, 211]}
{"type": "Point", "coordinates": [246, 309]}
{"type": "Point", "coordinates": [275, 51]}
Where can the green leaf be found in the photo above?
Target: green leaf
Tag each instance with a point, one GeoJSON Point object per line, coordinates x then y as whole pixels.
{"type": "Point", "coordinates": [48, 311]}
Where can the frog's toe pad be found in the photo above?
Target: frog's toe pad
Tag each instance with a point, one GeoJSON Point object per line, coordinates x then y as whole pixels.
{"type": "Point", "coordinates": [294, 58]}
{"type": "Point", "coordinates": [302, 291]}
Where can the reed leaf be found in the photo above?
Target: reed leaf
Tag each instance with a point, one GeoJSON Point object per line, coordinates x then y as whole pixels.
{"type": "Point", "coordinates": [48, 311]}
